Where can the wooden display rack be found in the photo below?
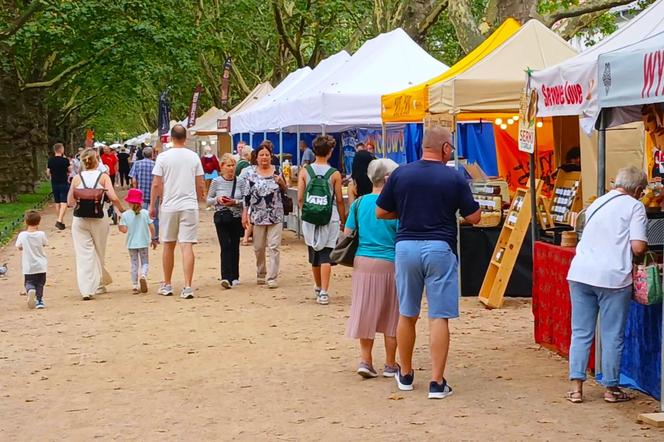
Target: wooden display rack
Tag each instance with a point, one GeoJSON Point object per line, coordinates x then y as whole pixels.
{"type": "Point", "coordinates": [566, 196]}
{"type": "Point", "coordinates": [507, 250]}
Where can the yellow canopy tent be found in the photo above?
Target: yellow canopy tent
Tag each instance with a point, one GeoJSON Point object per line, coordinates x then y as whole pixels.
{"type": "Point", "coordinates": [410, 105]}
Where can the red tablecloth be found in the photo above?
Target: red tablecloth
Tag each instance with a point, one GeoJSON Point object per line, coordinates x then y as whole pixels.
{"type": "Point", "coordinates": [551, 303]}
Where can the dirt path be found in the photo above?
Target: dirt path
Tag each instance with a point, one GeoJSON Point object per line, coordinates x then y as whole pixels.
{"type": "Point", "coordinates": [253, 364]}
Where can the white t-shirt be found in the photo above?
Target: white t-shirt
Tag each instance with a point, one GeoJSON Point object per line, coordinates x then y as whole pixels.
{"type": "Point", "coordinates": [179, 168]}
{"type": "Point", "coordinates": [604, 254]}
{"type": "Point", "coordinates": [34, 258]}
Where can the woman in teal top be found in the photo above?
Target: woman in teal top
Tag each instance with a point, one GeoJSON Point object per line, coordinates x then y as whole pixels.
{"type": "Point", "coordinates": [374, 306]}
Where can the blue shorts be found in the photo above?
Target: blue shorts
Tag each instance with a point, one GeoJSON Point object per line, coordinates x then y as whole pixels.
{"type": "Point", "coordinates": [60, 191]}
{"type": "Point", "coordinates": [431, 265]}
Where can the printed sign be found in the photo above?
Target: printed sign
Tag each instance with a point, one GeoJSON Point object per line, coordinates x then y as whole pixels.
{"type": "Point", "coordinates": [527, 120]}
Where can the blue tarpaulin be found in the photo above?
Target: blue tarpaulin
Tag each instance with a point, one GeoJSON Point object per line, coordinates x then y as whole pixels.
{"type": "Point", "coordinates": [290, 143]}
{"type": "Point", "coordinates": [477, 144]}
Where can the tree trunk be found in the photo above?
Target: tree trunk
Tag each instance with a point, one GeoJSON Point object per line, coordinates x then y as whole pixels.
{"type": "Point", "coordinates": [23, 128]}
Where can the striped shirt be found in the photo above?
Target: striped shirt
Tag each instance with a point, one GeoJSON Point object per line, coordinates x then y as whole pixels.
{"type": "Point", "coordinates": [223, 187]}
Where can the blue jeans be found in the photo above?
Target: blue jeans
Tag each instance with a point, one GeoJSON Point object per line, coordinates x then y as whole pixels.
{"type": "Point", "coordinates": [431, 265]}
{"type": "Point", "coordinates": [613, 307]}
{"type": "Point", "coordinates": [155, 221]}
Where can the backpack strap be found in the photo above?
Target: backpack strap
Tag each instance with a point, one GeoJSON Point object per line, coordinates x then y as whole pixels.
{"type": "Point", "coordinates": [85, 186]}
{"type": "Point", "coordinates": [329, 173]}
{"type": "Point", "coordinates": [97, 181]}
{"type": "Point", "coordinates": [310, 171]}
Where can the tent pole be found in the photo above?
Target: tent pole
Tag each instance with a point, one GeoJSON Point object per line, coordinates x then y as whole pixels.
{"type": "Point", "coordinates": [601, 155]}
{"type": "Point", "coordinates": [264, 136]}
{"type": "Point", "coordinates": [323, 129]}
{"type": "Point", "coordinates": [299, 154]}
{"type": "Point", "coordinates": [251, 139]}
{"type": "Point", "coordinates": [533, 195]}
{"type": "Point", "coordinates": [281, 149]}
{"type": "Point", "coordinates": [383, 140]}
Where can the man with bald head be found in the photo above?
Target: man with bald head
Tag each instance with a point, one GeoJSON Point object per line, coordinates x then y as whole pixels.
{"type": "Point", "coordinates": [425, 197]}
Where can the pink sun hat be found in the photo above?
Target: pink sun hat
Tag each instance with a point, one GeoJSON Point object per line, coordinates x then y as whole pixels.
{"type": "Point", "coordinates": [134, 196]}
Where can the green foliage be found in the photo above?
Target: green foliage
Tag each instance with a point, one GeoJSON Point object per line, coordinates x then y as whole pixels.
{"type": "Point", "coordinates": [11, 214]}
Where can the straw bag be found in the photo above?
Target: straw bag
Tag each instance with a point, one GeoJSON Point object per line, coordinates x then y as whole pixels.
{"type": "Point", "coordinates": [648, 281]}
{"type": "Point", "coordinates": [344, 252]}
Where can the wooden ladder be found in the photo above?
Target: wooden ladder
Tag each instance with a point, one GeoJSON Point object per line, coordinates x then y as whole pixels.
{"type": "Point", "coordinates": [507, 250]}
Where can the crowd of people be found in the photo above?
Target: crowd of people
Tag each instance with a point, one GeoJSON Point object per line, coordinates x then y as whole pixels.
{"type": "Point", "coordinates": [406, 239]}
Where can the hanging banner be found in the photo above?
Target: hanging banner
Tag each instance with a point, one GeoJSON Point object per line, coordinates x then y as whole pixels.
{"type": "Point", "coordinates": [527, 119]}
{"type": "Point", "coordinates": [193, 106]}
{"type": "Point", "coordinates": [89, 137]}
{"type": "Point", "coordinates": [225, 82]}
{"type": "Point", "coordinates": [445, 120]}
{"type": "Point", "coordinates": [164, 112]}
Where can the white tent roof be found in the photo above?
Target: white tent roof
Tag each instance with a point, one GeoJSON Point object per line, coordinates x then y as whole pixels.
{"type": "Point", "coordinates": [208, 121]}
{"type": "Point", "coordinates": [247, 120]}
{"type": "Point", "coordinates": [254, 96]}
{"type": "Point", "coordinates": [303, 106]}
{"type": "Point", "coordinates": [631, 77]}
{"type": "Point", "coordinates": [570, 88]}
{"type": "Point", "coordinates": [495, 82]}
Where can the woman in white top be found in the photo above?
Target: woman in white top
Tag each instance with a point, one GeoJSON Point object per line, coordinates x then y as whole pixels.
{"type": "Point", "coordinates": [90, 234]}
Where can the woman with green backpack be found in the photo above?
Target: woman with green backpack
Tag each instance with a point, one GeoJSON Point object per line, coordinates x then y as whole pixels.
{"type": "Point", "coordinates": [323, 213]}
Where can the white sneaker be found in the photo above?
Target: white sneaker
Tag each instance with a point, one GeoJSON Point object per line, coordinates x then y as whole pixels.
{"type": "Point", "coordinates": [272, 284]}
{"type": "Point", "coordinates": [187, 293]}
{"type": "Point", "coordinates": [260, 281]}
{"type": "Point", "coordinates": [236, 282]}
{"type": "Point", "coordinates": [165, 290]}
{"type": "Point", "coordinates": [32, 298]}
{"type": "Point", "coordinates": [101, 290]}
{"type": "Point", "coordinates": [323, 298]}
{"type": "Point", "coordinates": [225, 283]}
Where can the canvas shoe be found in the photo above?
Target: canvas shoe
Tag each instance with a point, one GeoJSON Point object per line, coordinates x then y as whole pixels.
{"type": "Point", "coordinates": [225, 283]}
{"type": "Point", "coordinates": [236, 282]}
{"type": "Point", "coordinates": [404, 381]}
{"type": "Point", "coordinates": [316, 292]}
{"type": "Point", "coordinates": [390, 371]}
{"type": "Point", "coordinates": [32, 295]}
{"type": "Point", "coordinates": [143, 282]}
{"type": "Point", "coordinates": [40, 305]}
{"type": "Point", "coordinates": [165, 290]}
{"type": "Point", "coordinates": [366, 371]}
{"type": "Point", "coordinates": [187, 293]}
{"type": "Point", "coordinates": [260, 281]}
{"type": "Point", "coordinates": [439, 391]}
{"type": "Point", "coordinates": [323, 298]}
{"type": "Point", "coordinates": [87, 297]}
{"type": "Point", "coordinates": [101, 290]}
{"type": "Point", "coordinates": [272, 284]}
{"type": "Point", "coordinates": [136, 290]}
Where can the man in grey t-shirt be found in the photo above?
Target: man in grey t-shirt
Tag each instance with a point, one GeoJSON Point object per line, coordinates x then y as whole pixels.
{"type": "Point", "coordinates": [308, 156]}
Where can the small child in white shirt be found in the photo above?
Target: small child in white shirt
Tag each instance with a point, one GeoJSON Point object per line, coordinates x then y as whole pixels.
{"type": "Point", "coordinates": [31, 242]}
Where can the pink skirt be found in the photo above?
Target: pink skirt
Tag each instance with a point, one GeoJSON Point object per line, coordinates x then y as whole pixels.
{"type": "Point", "coordinates": [374, 307]}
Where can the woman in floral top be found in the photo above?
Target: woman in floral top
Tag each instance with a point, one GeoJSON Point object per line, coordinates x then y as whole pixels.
{"type": "Point", "coordinates": [263, 208]}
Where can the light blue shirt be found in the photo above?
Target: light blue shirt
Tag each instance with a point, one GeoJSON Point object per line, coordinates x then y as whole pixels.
{"type": "Point", "coordinates": [377, 236]}
{"type": "Point", "coordinates": [138, 230]}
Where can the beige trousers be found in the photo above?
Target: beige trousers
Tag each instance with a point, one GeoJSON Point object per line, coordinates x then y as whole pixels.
{"type": "Point", "coordinates": [90, 235]}
{"type": "Point", "coordinates": [267, 237]}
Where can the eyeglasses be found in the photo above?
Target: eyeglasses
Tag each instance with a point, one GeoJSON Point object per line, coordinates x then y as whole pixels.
{"type": "Point", "coordinates": [449, 144]}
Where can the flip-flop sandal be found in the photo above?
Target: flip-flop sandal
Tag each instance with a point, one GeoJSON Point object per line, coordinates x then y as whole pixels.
{"type": "Point", "coordinates": [616, 396]}
{"type": "Point", "coordinates": [575, 397]}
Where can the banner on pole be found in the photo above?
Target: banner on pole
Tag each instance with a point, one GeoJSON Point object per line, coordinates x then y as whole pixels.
{"type": "Point", "coordinates": [164, 112]}
{"type": "Point", "coordinates": [527, 120]}
{"type": "Point", "coordinates": [225, 81]}
{"type": "Point", "coordinates": [193, 106]}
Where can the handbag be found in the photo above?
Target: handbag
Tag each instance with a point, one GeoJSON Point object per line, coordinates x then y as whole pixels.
{"type": "Point", "coordinates": [286, 202]}
{"type": "Point", "coordinates": [346, 248]}
{"type": "Point", "coordinates": [225, 215]}
{"type": "Point", "coordinates": [647, 279]}
{"type": "Point", "coordinates": [89, 200]}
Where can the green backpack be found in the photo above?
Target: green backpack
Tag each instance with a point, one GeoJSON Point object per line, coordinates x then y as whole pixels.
{"type": "Point", "coordinates": [318, 201]}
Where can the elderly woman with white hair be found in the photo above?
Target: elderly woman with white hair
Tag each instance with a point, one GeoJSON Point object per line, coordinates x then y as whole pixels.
{"type": "Point", "coordinates": [600, 280]}
{"type": "Point", "coordinates": [374, 306]}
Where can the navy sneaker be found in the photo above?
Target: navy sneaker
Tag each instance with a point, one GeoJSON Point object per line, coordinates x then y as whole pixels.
{"type": "Point", "coordinates": [404, 381]}
{"type": "Point", "coordinates": [439, 391]}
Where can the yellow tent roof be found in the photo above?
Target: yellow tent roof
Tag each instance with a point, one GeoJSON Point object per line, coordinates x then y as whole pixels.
{"type": "Point", "coordinates": [410, 105]}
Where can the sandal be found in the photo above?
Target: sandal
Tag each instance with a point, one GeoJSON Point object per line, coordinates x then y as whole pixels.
{"type": "Point", "coordinates": [575, 397]}
{"type": "Point", "coordinates": [616, 396]}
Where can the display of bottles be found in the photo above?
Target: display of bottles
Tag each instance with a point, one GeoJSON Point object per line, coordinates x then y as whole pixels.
{"type": "Point", "coordinates": [287, 171]}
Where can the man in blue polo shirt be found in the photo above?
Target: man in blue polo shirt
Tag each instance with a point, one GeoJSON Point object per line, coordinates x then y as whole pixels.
{"type": "Point", "coordinates": [425, 196]}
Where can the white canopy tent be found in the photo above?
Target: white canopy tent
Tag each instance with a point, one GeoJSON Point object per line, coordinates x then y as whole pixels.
{"type": "Point", "coordinates": [246, 121]}
{"type": "Point", "coordinates": [253, 98]}
{"type": "Point", "coordinates": [208, 121]}
{"type": "Point", "coordinates": [571, 88]}
{"type": "Point", "coordinates": [629, 78]}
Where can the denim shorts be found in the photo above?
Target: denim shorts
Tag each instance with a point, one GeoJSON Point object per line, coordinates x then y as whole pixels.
{"type": "Point", "coordinates": [431, 265]}
{"type": "Point", "coordinates": [60, 191]}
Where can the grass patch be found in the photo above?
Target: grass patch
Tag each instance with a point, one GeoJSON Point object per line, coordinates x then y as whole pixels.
{"type": "Point", "coordinates": [11, 214]}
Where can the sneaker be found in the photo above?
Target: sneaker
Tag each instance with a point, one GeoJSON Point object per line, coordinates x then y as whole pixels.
{"type": "Point", "coordinates": [323, 298]}
{"type": "Point", "coordinates": [143, 282]}
{"type": "Point", "coordinates": [187, 293]}
{"type": "Point", "coordinates": [87, 297]}
{"type": "Point", "coordinates": [32, 294]}
{"type": "Point", "coordinates": [390, 371]}
{"type": "Point", "coordinates": [101, 290]}
{"type": "Point", "coordinates": [439, 391]}
{"type": "Point", "coordinates": [316, 292]}
{"type": "Point", "coordinates": [404, 381]}
{"type": "Point", "coordinates": [136, 290]}
{"type": "Point", "coordinates": [60, 226]}
{"type": "Point", "coordinates": [236, 282]}
{"type": "Point", "coordinates": [366, 371]}
{"type": "Point", "coordinates": [225, 284]}
{"type": "Point", "coordinates": [40, 305]}
{"type": "Point", "coordinates": [272, 284]}
{"type": "Point", "coordinates": [260, 281]}
{"type": "Point", "coordinates": [165, 290]}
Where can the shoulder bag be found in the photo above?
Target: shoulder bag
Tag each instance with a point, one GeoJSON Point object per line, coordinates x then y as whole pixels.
{"type": "Point", "coordinates": [344, 252]}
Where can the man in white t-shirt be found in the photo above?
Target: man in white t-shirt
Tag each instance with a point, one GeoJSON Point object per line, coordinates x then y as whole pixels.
{"type": "Point", "coordinates": [600, 280]}
{"type": "Point", "coordinates": [178, 184]}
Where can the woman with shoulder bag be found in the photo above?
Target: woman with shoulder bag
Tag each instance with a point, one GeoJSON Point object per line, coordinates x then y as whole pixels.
{"type": "Point", "coordinates": [90, 226]}
{"type": "Point", "coordinates": [374, 306]}
{"type": "Point", "coordinates": [225, 195]}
